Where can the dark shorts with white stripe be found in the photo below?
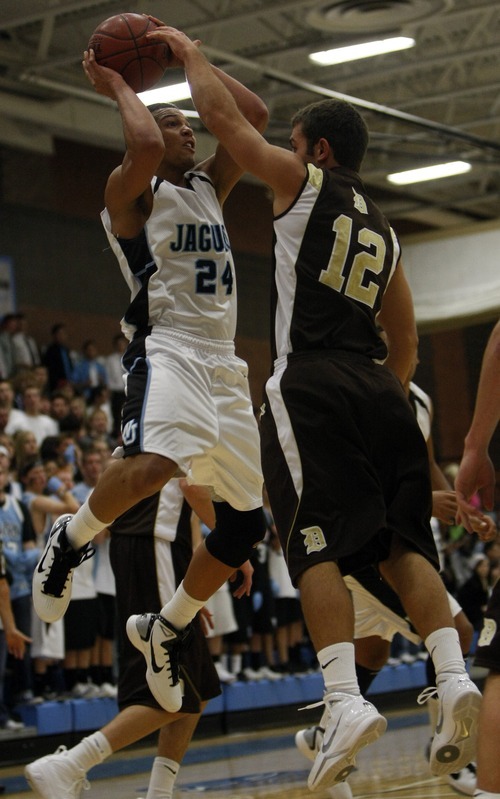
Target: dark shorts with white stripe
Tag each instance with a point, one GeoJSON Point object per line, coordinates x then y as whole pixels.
{"type": "Point", "coordinates": [345, 463]}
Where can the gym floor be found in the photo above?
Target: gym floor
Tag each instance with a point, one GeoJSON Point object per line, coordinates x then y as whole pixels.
{"type": "Point", "coordinates": [265, 763]}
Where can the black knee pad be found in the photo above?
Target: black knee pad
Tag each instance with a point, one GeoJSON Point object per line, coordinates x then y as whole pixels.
{"type": "Point", "coordinates": [236, 533]}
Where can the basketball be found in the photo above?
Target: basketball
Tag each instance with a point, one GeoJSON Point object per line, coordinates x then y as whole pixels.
{"type": "Point", "coordinates": [120, 43]}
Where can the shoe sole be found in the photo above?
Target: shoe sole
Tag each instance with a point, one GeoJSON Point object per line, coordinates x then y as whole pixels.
{"type": "Point", "coordinates": [338, 770]}
{"type": "Point", "coordinates": [32, 778]}
{"type": "Point", "coordinates": [457, 753]}
{"type": "Point", "coordinates": [341, 791]}
{"type": "Point", "coordinates": [174, 702]}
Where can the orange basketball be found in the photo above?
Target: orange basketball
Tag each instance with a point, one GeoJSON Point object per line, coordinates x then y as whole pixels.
{"type": "Point", "coordinates": [120, 43]}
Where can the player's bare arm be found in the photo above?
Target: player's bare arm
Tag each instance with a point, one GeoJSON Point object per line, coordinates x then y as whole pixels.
{"type": "Point", "coordinates": [219, 111]}
{"type": "Point", "coordinates": [397, 317]}
{"type": "Point", "coordinates": [477, 473]}
{"type": "Point", "coordinates": [128, 187]}
{"type": "Point", "coordinates": [222, 168]}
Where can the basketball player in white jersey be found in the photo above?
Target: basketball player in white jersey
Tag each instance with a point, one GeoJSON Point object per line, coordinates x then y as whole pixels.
{"type": "Point", "coordinates": [188, 408]}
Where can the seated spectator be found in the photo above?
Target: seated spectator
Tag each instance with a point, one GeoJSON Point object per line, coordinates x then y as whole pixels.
{"type": "Point", "coordinates": [474, 594]}
{"type": "Point", "coordinates": [26, 449]}
{"type": "Point", "coordinates": [75, 422]}
{"type": "Point", "coordinates": [57, 358]}
{"type": "Point", "coordinates": [59, 406]}
{"type": "Point", "coordinates": [25, 349]}
{"type": "Point", "coordinates": [63, 452]}
{"type": "Point", "coordinates": [97, 428]}
{"type": "Point", "coordinates": [81, 621]}
{"type": "Point", "coordinates": [492, 551]}
{"type": "Point", "coordinates": [34, 419]}
{"type": "Point", "coordinates": [40, 377]}
{"type": "Point", "coordinates": [12, 642]}
{"type": "Point", "coordinates": [89, 372]}
{"type": "Point", "coordinates": [15, 417]}
{"type": "Point", "coordinates": [8, 327]}
{"type": "Point", "coordinates": [100, 400]}
{"type": "Point", "coordinates": [21, 556]}
{"type": "Point", "coordinates": [46, 500]}
{"type": "Point", "coordinates": [13, 486]}
{"type": "Point", "coordinates": [102, 445]}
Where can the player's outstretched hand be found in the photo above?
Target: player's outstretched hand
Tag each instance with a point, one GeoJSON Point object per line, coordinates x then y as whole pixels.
{"type": "Point", "coordinates": [483, 526]}
{"type": "Point", "coordinates": [180, 45]}
{"type": "Point", "coordinates": [475, 475]}
{"type": "Point", "coordinates": [246, 585]}
{"type": "Point", "coordinates": [105, 81]}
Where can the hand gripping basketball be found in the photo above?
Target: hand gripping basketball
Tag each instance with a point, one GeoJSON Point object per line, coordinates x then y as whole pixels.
{"type": "Point", "coordinates": [120, 43]}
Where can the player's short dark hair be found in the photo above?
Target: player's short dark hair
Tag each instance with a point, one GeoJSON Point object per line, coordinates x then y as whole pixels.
{"type": "Point", "coordinates": [340, 124]}
{"type": "Point", "coordinates": [160, 106]}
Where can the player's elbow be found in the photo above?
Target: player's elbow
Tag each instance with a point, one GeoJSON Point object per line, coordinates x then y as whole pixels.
{"type": "Point", "coordinates": [259, 117]}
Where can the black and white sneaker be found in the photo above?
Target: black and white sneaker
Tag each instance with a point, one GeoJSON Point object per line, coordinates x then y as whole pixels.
{"type": "Point", "coordinates": [53, 574]}
{"type": "Point", "coordinates": [161, 645]}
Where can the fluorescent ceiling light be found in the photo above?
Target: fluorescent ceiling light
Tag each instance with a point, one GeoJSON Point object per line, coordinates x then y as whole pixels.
{"type": "Point", "coordinates": [355, 51]}
{"type": "Point", "coordinates": [166, 94]}
{"type": "Point", "coordinates": [429, 173]}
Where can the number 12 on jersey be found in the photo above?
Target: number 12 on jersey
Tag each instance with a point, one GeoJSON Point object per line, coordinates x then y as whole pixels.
{"type": "Point", "coordinates": [352, 284]}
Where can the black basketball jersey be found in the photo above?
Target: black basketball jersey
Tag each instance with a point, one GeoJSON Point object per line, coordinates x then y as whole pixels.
{"type": "Point", "coordinates": [334, 254]}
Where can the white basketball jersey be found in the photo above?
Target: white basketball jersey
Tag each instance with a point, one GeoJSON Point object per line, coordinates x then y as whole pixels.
{"type": "Point", "coordinates": [180, 268]}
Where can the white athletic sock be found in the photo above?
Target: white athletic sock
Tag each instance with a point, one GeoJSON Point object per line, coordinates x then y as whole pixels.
{"type": "Point", "coordinates": [90, 751]}
{"type": "Point", "coordinates": [486, 794]}
{"type": "Point", "coordinates": [162, 779]}
{"type": "Point", "coordinates": [181, 609]}
{"type": "Point", "coordinates": [83, 527]}
{"type": "Point", "coordinates": [338, 668]}
{"type": "Point", "coordinates": [444, 648]}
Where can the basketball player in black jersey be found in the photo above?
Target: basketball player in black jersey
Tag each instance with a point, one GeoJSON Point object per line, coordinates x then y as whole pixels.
{"type": "Point", "coordinates": [345, 464]}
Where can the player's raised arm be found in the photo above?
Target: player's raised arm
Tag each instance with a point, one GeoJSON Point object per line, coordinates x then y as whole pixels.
{"type": "Point", "coordinates": [143, 141]}
{"type": "Point", "coordinates": [219, 112]}
{"type": "Point", "coordinates": [476, 471]}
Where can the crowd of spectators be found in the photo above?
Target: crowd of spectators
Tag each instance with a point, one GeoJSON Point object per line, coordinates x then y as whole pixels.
{"type": "Point", "coordinates": [59, 424]}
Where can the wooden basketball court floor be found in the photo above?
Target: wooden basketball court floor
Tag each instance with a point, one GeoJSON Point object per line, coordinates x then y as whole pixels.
{"type": "Point", "coordinates": [264, 764]}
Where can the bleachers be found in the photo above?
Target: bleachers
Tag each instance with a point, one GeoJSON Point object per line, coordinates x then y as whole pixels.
{"type": "Point", "coordinates": [79, 715]}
